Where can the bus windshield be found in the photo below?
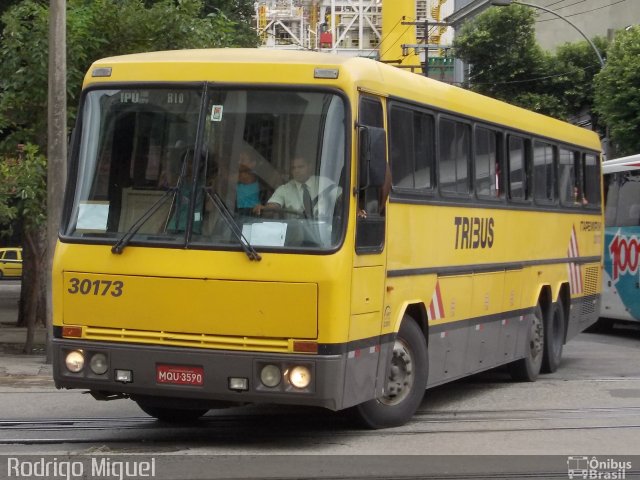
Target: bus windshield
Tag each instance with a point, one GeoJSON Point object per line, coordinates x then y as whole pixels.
{"type": "Point", "coordinates": [210, 167]}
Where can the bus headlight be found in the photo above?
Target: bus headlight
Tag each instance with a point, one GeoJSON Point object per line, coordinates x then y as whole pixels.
{"type": "Point", "coordinates": [270, 376]}
{"type": "Point", "coordinates": [98, 364]}
{"type": "Point", "coordinates": [300, 376]}
{"type": "Point", "coordinates": [74, 361]}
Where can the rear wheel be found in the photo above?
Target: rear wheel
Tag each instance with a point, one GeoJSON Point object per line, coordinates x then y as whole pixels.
{"type": "Point", "coordinates": [171, 415]}
{"type": "Point", "coordinates": [553, 338]}
{"type": "Point", "coordinates": [528, 368]}
{"type": "Point", "coordinates": [406, 382]}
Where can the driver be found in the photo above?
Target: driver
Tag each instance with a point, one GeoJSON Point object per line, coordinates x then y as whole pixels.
{"type": "Point", "coordinates": [300, 194]}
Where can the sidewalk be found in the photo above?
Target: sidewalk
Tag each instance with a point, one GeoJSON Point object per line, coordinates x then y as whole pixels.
{"type": "Point", "coordinates": [17, 368]}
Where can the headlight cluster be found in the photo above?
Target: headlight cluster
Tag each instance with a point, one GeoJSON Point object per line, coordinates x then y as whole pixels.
{"type": "Point", "coordinates": [75, 361]}
{"type": "Point", "coordinates": [297, 376]}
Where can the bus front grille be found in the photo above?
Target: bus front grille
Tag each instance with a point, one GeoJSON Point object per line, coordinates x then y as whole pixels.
{"type": "Point", "coordinates": [188, 339]}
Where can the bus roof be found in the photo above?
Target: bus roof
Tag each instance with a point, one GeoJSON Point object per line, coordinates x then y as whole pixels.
{"type": "Point", "coordinates": [278, 67]}
{"type": "Point", "coordinates": [622, 164]}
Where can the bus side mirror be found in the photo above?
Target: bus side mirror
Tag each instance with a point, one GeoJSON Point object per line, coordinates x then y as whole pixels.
{"type": "Point", "coordinates": [372, 159]}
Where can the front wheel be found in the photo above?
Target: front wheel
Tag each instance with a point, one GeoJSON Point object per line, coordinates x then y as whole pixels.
{"type": "Point", "coordinates": [406, 382]}
{"type": "Point", "coordinates": [171, 415]}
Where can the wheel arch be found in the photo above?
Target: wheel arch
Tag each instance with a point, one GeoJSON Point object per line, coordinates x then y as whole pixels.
{"type": "Point", "coordinates": [545, 299]}
{"type": "Point", "coordinates": [418, 312]}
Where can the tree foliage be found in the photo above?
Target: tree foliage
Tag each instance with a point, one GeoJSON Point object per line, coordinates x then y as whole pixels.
{"type": "Point", "coordinates": [507, 63]}
{"type": "Point", "coordinates": [23, 195]}
{"type": "Point", "coordinates": [576, 65]}
{"type": "Point", "coordinates": [24, 70]}
{"type": "Point", "coordinates": [96, 29]}
{"type": "Point", "coordinates": [617, 91]}
{"type": "Point", "coordinates": [502, 51]}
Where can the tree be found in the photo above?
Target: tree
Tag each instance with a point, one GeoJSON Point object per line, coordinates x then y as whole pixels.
{"type": "Point", "coordinates": [503, 54]}
{"type": "Point", "coordinates": [95, 29]}
{"type": "Point", "coordinates": [6, 4]}
{"type": "Point", "coordinates": [576, 65]}
{"type": "Point", "coordinates": [242, 11]}
{"type": "Point", "coordinates": [617, 91]}
{"type": "Point", "coordinates": [23, 195]}
{"type": "Point", "coordinates": [507, 63]}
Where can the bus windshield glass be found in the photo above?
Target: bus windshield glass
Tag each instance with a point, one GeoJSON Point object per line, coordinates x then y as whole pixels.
{"type": "Point", "coordinates": [211, 168]}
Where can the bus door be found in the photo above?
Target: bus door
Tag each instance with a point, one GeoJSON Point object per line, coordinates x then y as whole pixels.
{"type": "Point", "coordinates": [368, 280]}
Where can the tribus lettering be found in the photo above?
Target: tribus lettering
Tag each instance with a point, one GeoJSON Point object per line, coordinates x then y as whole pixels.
{"type": "Point", "coordinates": [624, 255]}
{"type": "Point", "coordinates": [474, 232]}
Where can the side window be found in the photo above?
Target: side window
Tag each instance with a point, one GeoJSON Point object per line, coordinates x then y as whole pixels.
{"type": "Point", "coordinates": [453, 166]}
{"type": "Point", "coordinates": [543, 172]}
{"type": "Point", "coordinates": [411, 142]}
{"type": "Point", "coordinates": [424, 128]}
{"type": "Point", "coordinates": [517, 160]}
{"type": "Point", "coordinates": [569, 182]}
{"type": "Point", "coordinates": [370, 224]}
{"type": "Point", "coordinates": [591, 169]}
{"type": "Point", "coordinates": [370, 112]}
{"type": "Point", "coordinates": [623, 200]}
{"type": "Point", "coordinates": [487, 167]}
{"type": "Point", "coordinates": [10, 255]}
{"type": "Point", "coordinates": [612, 189]}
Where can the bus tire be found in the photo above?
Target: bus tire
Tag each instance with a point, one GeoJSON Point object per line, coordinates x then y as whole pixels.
{"type": "Point", "coordinates": [406, 383]}
{"type": "Point", "coordinates": [171, 415]}
{"type": "Point", "coordinates": [528, 368]}
{"type": "Point", "coordinates": [553, 338]}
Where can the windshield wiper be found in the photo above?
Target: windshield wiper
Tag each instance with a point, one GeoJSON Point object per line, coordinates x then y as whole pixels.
{"type": "Point", "coordinates": [228, 218]}
{"type": "Point", "coordinates": [118, 247]}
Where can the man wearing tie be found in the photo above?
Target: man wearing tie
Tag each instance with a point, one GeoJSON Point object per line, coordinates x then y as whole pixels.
{"type": "Point", "coordinates": [304, 195]}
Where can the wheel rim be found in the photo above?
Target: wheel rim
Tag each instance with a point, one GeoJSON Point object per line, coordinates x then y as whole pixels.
{"type": "Point", "coordinates": [400, 381]}
{"type": "Point", "coordinates": [537, 337]}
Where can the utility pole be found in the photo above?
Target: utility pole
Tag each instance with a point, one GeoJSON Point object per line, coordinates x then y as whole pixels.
{"type": "Point", "coordinates": [425, 69]}
{"type": "Point", "coordinates": [56, 141]}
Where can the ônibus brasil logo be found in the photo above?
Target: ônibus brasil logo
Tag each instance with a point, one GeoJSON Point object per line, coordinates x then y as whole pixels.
{"type": "Point", "coordinates": [624, 255]}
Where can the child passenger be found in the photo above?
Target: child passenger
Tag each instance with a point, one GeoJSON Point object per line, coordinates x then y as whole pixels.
{"type": "Point", "coordinates": [248, 186]}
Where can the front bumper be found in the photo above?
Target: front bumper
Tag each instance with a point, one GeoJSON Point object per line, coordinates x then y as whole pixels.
{"type": "Point", "coordinates": [325, 389]}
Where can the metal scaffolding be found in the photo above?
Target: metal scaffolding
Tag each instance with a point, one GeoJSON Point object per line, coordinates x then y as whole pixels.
{"type": "Point", "coordinates": [352, 27]}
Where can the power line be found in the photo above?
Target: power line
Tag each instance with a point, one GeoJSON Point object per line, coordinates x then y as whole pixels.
{"type": "Point", "coordinates": [399, 37]}
{"type": "Point", "coordinates": [527, 80]}
{"type": "Point", "coordinates": [383, 38]}
{"type": "Point", "coordinates": [563, 6]}
{"type": "Point", "coordinates": [582, 13]}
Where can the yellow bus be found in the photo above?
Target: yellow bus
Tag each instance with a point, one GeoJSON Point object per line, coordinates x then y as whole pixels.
{"type": "Point", "coordinates": [257, 226]}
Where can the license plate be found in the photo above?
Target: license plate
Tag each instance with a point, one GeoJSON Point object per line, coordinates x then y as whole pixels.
{"type": "Point", "coordinates": [180, 375]}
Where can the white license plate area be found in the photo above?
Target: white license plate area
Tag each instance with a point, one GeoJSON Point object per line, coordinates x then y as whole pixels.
{"type": "Point", "coordinates": [180, 375]}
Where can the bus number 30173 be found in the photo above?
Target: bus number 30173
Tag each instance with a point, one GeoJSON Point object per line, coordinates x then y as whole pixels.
{"type": "Point", "coordinates": [96, 287]}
